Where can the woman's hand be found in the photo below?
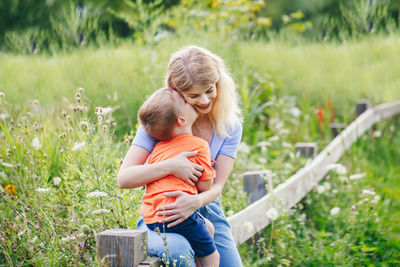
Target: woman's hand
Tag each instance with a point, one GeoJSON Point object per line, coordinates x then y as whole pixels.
{"type": "Point", "coordinates": [184, 169]}
{"type": "Point", "coordinates": [184, 206]}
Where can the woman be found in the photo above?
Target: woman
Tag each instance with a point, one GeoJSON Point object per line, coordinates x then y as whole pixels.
{"type": "Point", "coordinates": [203, 81]}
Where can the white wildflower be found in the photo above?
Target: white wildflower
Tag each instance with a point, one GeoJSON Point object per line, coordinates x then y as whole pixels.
{"type": "Point", "coordinates": [338, 168]}
{"type": "Point", "coordinates": [56, 180]}
{"type": "Point", "coordinates": [320, 189]}
{"type": "Point", "coordinates": [244, 148]}
{"type": "Point", "coordinates": [377, 134]}
{"type": "Point", "coordinates": [375, 199]}
{"type": "Point", "coordinates": [264, 143]}
{"type": "Point", "coordinates": [335, 211]}
{"type": "Point", "coordinates": [357, 176]}
{"type": "Point", "coordinates": [42, 190]}
{"type": "Point", "coordinates": [4, 116]}
{"type": "Point", "coordinates": [101, 211]}
{"type": "Point", "coordinates": [103, 111]}
{"type": "Point", "coordinates": [343, 178]}
{"type": "Point", "coordinates": [68, 238]}
{"type": "Point", "coordinates": [96, 194]}
{"type": "Point", "coordinates": [273, 138]}
{"type": "Point", "coordinates": [249, 226]}
{"type": "Point", "coordinates": [286, 145]}
{"type": "Point", "coordinates": [327, 186]}
{"type": "Point", "coordinates": [368, 192]}
{"type": "Point", "coordinates": [9, 165]}
{"type": "Point", "coordinates": [302, 217]}
{"type": "Point", "coordinates": [78, 146]}
{"type": "Point", "coordinates": [36, 143]}
{"type": "Point", "coordinates": [295, 112]}
{"type": "Point", "coordinates": [3, 175]}
{"type": "Point", "coordinates": [284, 131]}
{"type": "Point", "coordinates": [272, 213]}
{"type": "Point", "coordinates": [230, 213]}
{"type": "Point", "coordinates": [335, 191]}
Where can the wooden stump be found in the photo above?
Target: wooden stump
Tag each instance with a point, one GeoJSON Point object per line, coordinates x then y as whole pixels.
{"type": "Point", "coordinates": [362, 106]}
{"type": "Point", "coordinates": [307, 150]}
{"type": "Point", "coordinates": [122, 247]}
{"type": "Point", "coordinates": [337, 128]}
{"type": "Point", "coordinates": [254, 184]}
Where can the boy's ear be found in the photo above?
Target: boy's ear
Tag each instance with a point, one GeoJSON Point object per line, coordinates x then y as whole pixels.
{"type": "Point", "coordinates": [181, 121]}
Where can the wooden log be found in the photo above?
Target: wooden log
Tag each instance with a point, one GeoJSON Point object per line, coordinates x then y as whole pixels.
{"type": "Point", "coordinates": [254, 184]}
{"type": "Point", "coordinates": [307, 150]}
{"type": "Point", "coordinates": [362, 106]}
{"type": "Point", "coordinates": [122, 247]}
{"type": "Point", "coordinates": [289, 193]}
{"type": "Point", "coordinates": [337, 128]}
{"type": "Point", "coordinates": [151, 262]}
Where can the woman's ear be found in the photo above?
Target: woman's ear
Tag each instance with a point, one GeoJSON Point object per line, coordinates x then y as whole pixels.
{"type": "Point", "coordinates": [181, 121]}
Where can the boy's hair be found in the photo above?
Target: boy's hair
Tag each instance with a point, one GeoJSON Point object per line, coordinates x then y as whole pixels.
{"type": "Point", "coordinates": [158, 114]}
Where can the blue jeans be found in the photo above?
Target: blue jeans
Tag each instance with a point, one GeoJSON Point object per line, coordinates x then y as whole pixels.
{"type": "Point", "coordinates": [180, 249]}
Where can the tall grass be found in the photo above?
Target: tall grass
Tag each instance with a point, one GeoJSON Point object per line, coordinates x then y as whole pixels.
{"type": "Point", "coordinates": [123, 76]}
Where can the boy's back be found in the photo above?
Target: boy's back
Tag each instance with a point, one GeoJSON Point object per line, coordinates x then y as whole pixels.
{"type": "Point", "coordinates": [154, 196]}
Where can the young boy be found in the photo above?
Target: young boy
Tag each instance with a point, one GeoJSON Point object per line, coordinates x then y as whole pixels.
{"type": "Point", "coordinates": [167, 117]}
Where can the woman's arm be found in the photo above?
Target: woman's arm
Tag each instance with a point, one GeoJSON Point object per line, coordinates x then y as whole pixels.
{"type": "Point", "coordinates": [133, 173]}
{"type": "Point", "coordinates": [185, 204]}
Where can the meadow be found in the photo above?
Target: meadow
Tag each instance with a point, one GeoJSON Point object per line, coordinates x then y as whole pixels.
{"type": "Point", "coordinates": [67, 120]}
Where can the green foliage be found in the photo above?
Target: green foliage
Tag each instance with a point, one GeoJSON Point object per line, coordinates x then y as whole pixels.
{"type": "Point", "coordinates": [58, 186]}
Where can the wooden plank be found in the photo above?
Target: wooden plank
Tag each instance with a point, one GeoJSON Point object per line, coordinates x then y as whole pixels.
{"type": "Point", "coordinates": [289, 193]}
{"type": "Point", "coordinates": [122, 247]}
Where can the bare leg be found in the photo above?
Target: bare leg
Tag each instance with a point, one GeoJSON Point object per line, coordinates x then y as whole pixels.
{"type": "Point", "coordinates": [211, 260]}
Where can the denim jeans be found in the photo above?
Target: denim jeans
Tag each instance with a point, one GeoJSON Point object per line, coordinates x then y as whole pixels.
{"type": "Point", "coordinates": [180, 249]}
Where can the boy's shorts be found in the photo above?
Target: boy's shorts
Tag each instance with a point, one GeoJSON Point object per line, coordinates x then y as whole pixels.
{"type": "Point", "coordinates": [194, 229]}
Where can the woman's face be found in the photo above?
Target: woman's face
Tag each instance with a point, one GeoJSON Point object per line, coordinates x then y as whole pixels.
{"type": "Point", "coordinates": [201, 97]}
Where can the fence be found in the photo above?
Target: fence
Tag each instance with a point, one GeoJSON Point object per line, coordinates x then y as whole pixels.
{"type": "Point", "coordinates": [124, 247]}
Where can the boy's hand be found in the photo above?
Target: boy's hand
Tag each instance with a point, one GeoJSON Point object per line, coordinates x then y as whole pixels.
{"type": "Point", "coordinates": [181, 167]}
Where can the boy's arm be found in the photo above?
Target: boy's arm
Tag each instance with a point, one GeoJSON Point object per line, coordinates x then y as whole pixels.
{"type": "Point", "coordinates": [204, 185]}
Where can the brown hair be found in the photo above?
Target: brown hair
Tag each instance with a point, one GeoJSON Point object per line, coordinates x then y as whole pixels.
{"type": "Point", "coordinates": [193, 65]}
{"type": "Point", "coordinates": [158, 114]}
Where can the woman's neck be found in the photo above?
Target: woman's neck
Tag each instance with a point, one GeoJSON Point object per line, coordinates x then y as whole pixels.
{"type": "Point", "coordinates": [203, 128]}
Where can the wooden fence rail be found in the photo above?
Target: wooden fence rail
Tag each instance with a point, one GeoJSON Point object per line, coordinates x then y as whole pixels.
{"type": "Point", "coordinates": [111, 246]}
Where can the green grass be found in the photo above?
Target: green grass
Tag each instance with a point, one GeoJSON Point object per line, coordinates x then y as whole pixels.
{"type": "Point", "coordinates": [123, 76]}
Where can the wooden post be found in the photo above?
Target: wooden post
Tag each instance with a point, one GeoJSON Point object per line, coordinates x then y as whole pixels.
{"type": "Point", "coordinates": [254, 184]}
{"type": "Point", "coordinates": [362, 106]}
{"type": "Point", "coordinates": [122, 247]}
{"type": "Point", "coordinates": [337, 128]}
{"type": "Point", "coordinates": [307, 150]}
{"type": "Point", "coordinates": [151, 262]}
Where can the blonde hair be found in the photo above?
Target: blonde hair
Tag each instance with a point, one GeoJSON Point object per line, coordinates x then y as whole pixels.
{"type": "Point", "coordinates": [193, 65]}
{"type": "Point", "coordinates": [159, 113]}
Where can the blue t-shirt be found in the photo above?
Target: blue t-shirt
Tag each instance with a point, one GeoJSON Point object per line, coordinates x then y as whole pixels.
{"type": "Point", "coordinates": [219, 145]}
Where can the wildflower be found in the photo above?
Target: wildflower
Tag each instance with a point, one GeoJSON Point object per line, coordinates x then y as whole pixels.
{"type": "Point", "coordinates": [338, 168]}
{"type": "Point", "coordinates": [272, 213]}
{"type": "Point", "coordinates": [244, 148]}
{"type": "Point", "coordinates": [264, 21]}
{"type": "Point", "coordinates": [4, 116]}
{"type": "Point", "coordinates": [375, 199]}
{"type": "Point", "coordinates": [295, 112]}
{"type": "Point", "coordinates": [249, 226]}
{"type": "Point", "coordinates": [11, 189]}
{"type": "Point", "coordinates": [9, 165]}
{"type": "Point", "coordinates": [335, 211]}
{"type": "Point", "coordinates": [285, 262]}
{"type": "Point", "coordinates": [327, 186]}
{"type": "Point", "coordinates": [3, 175]}
{"type": "Point", "coordinates": [101, 211]}
{"type": "Point", "coordinates": [320, 114]}
{"type": "Point", "coordinates": [321, 189]}
{"type": "Point", "coordinates": [68, 238]}
{"type": "Point", "coordinates": [353, 207]}
{"type": "Point", "coordinates": [103, 111]}
{"type": "Point", "coordinates": [335, 191]}
{"type": "Point", "coordinates": [36, 143]}
{"type": "Point", "coordinates": [302, 217]}
{"type": "Point", "coordinates": [368, 192]}
{"type": "Point", "coordinates": [286, 145]}
{"type": "Point", "coordinates": [56, 180]}
{"type": "Point", "coordinates": [357, 176]}
{"type": "Point", "coordinates": [273, 138]}
{"type": "Point", "coordinates": [377, 134]}
{"type": "Point", "coordinates": [96, 194]}
{"type": "Point", "coordinates": [2, 94]}
{"type": "Point", "coordinates": [78, 146]}
{"type": "Point", "coordinates": [42, 190]}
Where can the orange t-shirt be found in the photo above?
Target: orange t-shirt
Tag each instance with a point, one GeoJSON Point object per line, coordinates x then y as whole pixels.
{"type": "Point", "coordinates": [154, 197]}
